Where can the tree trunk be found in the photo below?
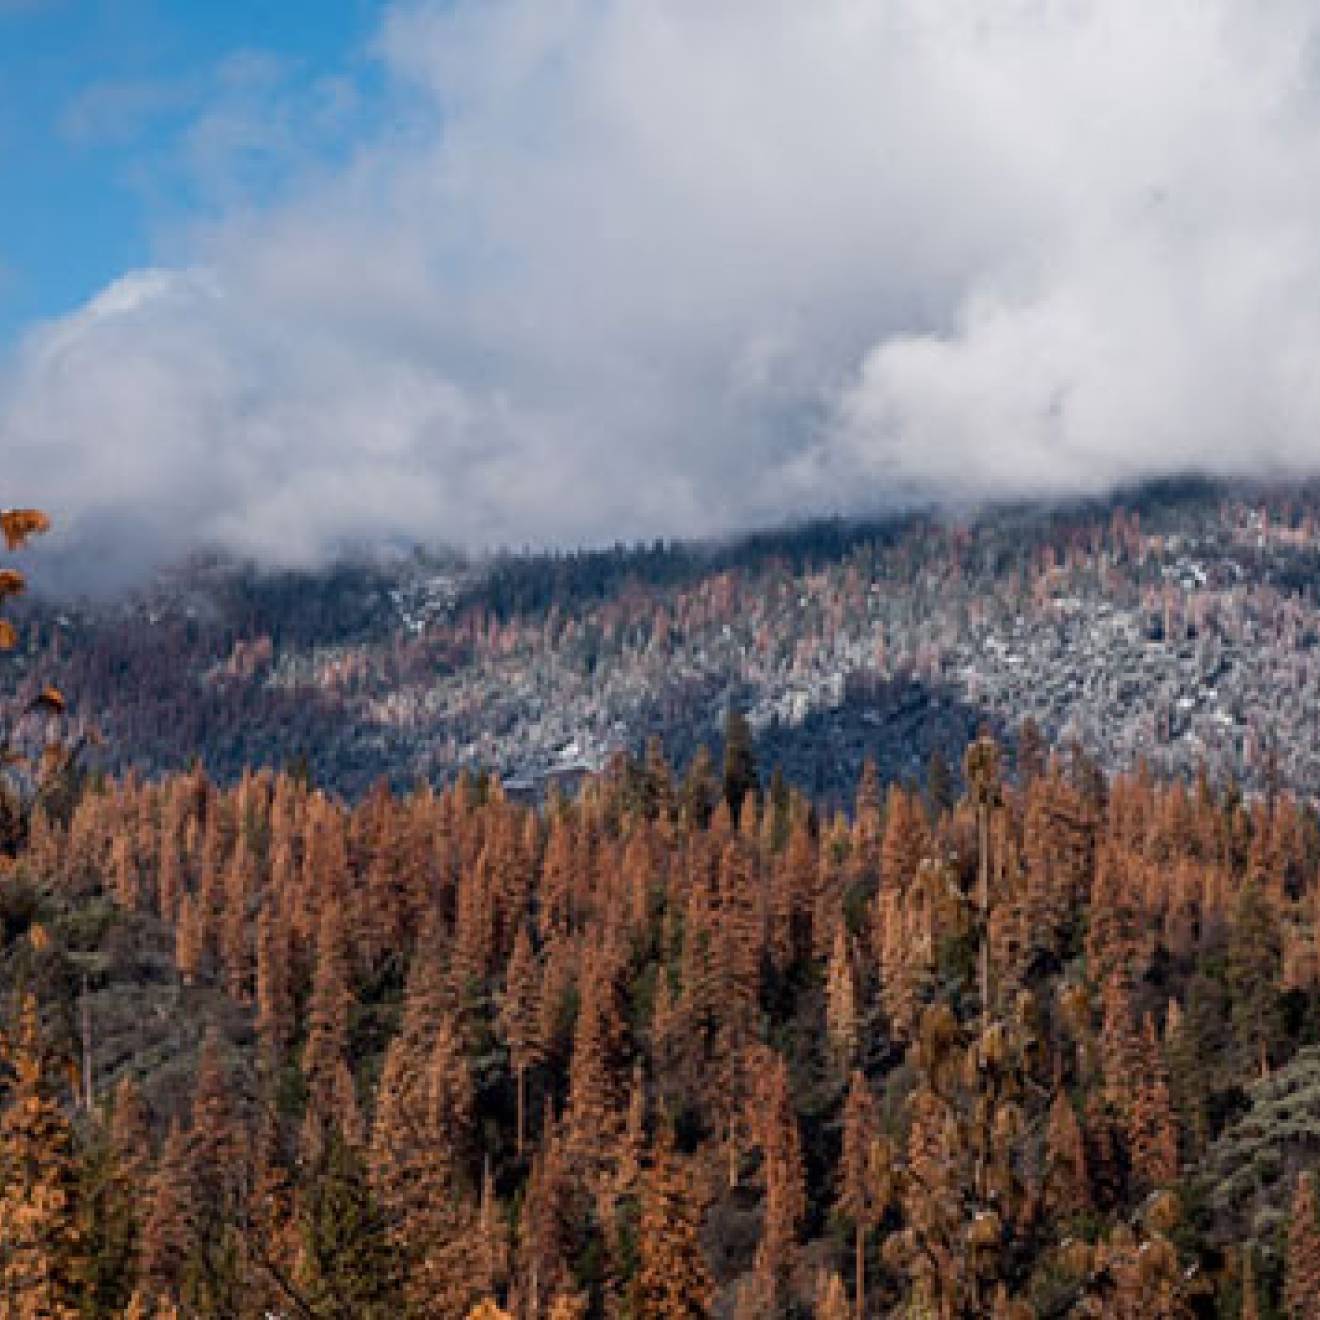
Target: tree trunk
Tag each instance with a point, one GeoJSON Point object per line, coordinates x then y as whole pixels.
{"type": "Point", "coordinates": [861, 1272]}
{"type": "Point", "coordinates": [983, 821]}
{"type": "Point", "coordinates": [522, 1107]}
{"type": "Point", "coordinates": [86, 1047]}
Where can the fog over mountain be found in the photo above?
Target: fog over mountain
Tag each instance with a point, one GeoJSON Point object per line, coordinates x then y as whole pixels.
{"type": "Point", "coordinates": [611, 269]}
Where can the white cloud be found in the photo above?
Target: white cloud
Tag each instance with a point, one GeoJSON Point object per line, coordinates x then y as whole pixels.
{"type": "Point", "coordinates": [616, 269]}
{"type": "Point", "coordinates": [114, 111]}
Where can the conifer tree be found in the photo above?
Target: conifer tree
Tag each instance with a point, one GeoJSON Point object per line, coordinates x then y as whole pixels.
{"type": "Point", "coordinates": [598, 1070]}
{"type": "Point", "coordinates": [1120, 1047]}
{"type": "Point", "coordinates": [736, 941]}
{"type": "Point", "coordinates": [559, 972]}
{"type": "Point", "coordinates": [236, 958]}
{"type": "Point", "coordinates": [1137, 1277]}
{"type": "Point", "coordinates": [270, 1238]}
{"type": "Point", "coordinates": [218, 1176]}
{"type": "Point", "coordinates": [841, 1017]}
{"type": "Point", "coordinates": [865, 1176]}
{"type": "Point", "coordinates": [785, 1202]}
{"type": "Point", "coordinates": [981, 771]}
{"type": "Point", "coordinates": [555, 893]}
{"type": "Point", "coordinates": [1067, 1190]}
{"type": "Point", "coordinates": [41, 1242]}
{"type": "Point", "coordinates": [169, 1220]}
{"type": "Point", "coordinates": [551, 1222]}
{"type": "Point", "coordinates": [832, 1300]}
{"type": "Point", "coordinates": [939, 784]}
{"type": "Point", "coordinates": [275, 1017]}
{"type": "Point", "coordinates": [868, 812]}
{"type": "Point", "coordinates": [700, 790]}
{"type": "Point", "coordinates": [348, 1269]}
{"type": "Point", "coordinates": [331, 1100]}
{"type": "Point", "coordinates": [906, 839]}
{"type": "Point", "coordinates": [189, 940]}
{"type": "Point", "coordinates": [1250, 1309]}
{"type": "Point", "coordinates": [1301, 1295]}
{"type": "Point", "coordinates": [1254, 964]}
{"type": "Point", "coordinates": [672, 1280]}
{"type": "Point", "coordinates": [419, 1139]}
{"type": "Point", "coordinates": [740, 776]}
{"type": "Point", "coordinates": [1152, 1131]}
{"type": "Point", "coordinates": [125, 881]}
{"type": "Point", "coordinates": [169, 879]}
{"type": "Point", "coordinates": [520, 1010]}
{"type": "Point", "coordinates": [1114, 938]}
{"type": "Point", "coordinates": [115, 1166]}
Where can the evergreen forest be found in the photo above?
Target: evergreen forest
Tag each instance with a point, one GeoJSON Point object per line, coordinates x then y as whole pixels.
{"type": "Point", "coordinates": [1033, 1040]}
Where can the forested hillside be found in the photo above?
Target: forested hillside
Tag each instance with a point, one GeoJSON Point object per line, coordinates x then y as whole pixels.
{"type": "Point", "coordinates": [1179, 624]}
{"type": "Point", "coordinates": [673, 1047]}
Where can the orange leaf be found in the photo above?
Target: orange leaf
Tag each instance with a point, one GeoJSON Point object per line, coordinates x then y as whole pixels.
{"type": "Point", "coordinates": [8, 637]}
{"type": "Point", "coordinates": [50, 698]}
{"type": "Point", "coordinates": [20, 524]}
{"type": "Point", "coordinates": [12, 582]}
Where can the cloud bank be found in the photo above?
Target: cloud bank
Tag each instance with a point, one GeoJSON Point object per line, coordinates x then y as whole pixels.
{"type": "Point", "coordinates": [616, 270]}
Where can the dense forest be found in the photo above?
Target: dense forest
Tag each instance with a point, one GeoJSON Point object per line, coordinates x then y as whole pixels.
{"type": "Point", "coordinates": [670, 1048]}
{"type": "Point", "coordinates": [1029, 1040]}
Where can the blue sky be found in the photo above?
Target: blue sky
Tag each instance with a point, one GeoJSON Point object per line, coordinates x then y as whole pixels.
{"type": "Point", "coordinates": [119, 126]}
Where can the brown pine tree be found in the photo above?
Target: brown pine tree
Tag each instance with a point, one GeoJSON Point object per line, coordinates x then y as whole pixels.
{"type": "Point", "coordinates": [550, 1223]}
{"type": "Point", "coordinates": [217, 1144]}
{"type": "Point", "coordinates": [931, 1250]}
{"type": "Point", "coordinates": [270, 1232]}
{"type": "Point", "coordinates": [1120, 1046]}
{"type": "Point", "coordinates": [169, 1220]}
{"type": "Point", "coordinates": [1067, 1186]}
{"type": "Point", "coordinates": [841, 1017]}
{"type": "Point", "coordinates": [274, 993]}
{"type": "Point", "coordinates": [555, 911]}
{"type": "Point", "coordinates": [130, 1133]}
{"type": "Point", "coordinates": [865, 1180]}
{"type": "Point", "coordinates": [416, 1161]}
{"type": "Point", "coordinates": [832, 1300]}
{"type": "Point", "coordinates": [598, 1072]}
{"type": "Point", "coordinates": [1136, 1278]}
{"type": "Point", "coordinates": [331, 1099]}
{"type": "Point", "coordinates": [1301, 1293]}
{"type": "Point", "coordinates": [785, 1201]}
{"type": "Point", "coordinates": [116, 1165]}
{"type": "Point", "coordinates": [175, 816]}
{"type": "Point", "coordinates": [559, 972]}
{"type": "Point", "coordinates": [520, 1012]}
{"type": "Point", "coordinates": [124, 877]}
{"type": "Point", "coordinates": [240, 884]}
{"type": "Point", "coordinates": [1152, 1129]}
{"type": "Point", "coordinates": [189, 940]}
{"type": "Point", "coordinates": [672, 1280]}
{"type": "Point", "coordinates": [1250, 1309]}
{"type": "Point", "coordinates": [219, 1175]}
{"type": "Point", "coordinates": [737, 939]}
{"type": "Point", "coordinates": [40, 1238]}
{"type": "Point", "coordinates": [906, 839]}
